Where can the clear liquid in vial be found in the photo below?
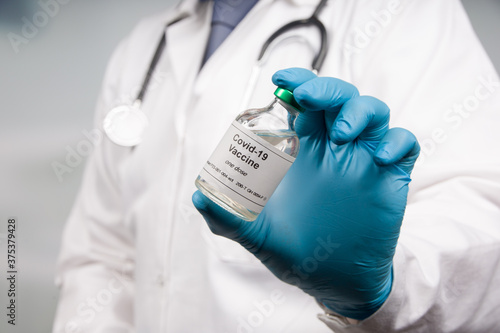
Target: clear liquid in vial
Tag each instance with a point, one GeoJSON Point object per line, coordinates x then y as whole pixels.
{"type": "Point", "coordinates": [283, 140]}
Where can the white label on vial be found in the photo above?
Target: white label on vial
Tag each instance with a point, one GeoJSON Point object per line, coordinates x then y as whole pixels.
{"type": "Point", "coordinates": [246, 168]}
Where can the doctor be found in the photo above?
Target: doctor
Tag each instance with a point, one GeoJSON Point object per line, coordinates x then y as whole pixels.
{"type": "Point", "coordinates": [137, 256]}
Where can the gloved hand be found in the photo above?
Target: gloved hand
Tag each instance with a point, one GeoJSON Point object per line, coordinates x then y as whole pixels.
{"type": "Point", "coordinates": [332, 225]}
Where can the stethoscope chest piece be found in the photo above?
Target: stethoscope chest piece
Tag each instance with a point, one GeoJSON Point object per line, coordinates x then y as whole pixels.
{"type": "Point", "coordinates": [125, 125]}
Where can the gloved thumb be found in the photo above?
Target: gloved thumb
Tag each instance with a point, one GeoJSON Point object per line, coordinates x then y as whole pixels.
{"type": "Point", "coordinates": [219, 220]}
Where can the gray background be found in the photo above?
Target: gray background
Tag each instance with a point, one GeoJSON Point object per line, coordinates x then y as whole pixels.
{"type": "Point", "coordinates": [48, 91]}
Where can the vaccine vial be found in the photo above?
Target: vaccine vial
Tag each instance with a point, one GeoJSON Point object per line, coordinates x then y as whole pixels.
{"type": "Point", "coordinates": [253, 157]}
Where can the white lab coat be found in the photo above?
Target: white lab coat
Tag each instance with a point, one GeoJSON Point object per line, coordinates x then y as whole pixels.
{"type": "Point", "coordinates": [137, 257]}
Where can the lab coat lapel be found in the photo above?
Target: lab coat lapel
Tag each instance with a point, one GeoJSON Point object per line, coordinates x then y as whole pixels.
{"type": "Point", "coordinates": [186, 41]}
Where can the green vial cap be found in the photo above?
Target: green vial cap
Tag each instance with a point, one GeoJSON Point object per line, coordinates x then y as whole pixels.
{"type": "Point", "coordinates": [287, 97]}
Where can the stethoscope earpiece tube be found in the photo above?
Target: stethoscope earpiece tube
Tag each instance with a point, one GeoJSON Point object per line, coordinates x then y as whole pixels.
{"type": "Point", "coordinates": [156, 58]}
{"type": "Point", "coordinates": [152, 67]}
{"type": "Point", "coordinates": [323, 50]}
{"type": "Point", "coordinates": [311, 21]}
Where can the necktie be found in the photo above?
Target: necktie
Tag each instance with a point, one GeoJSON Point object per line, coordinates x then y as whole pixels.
{"type": "Point", "coordinates": [225, 17]}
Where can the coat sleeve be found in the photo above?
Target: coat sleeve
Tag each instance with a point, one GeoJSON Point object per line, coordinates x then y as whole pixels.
{"type": "Point", "coordinates": [429, 66]}
{"type": "Point", "coordinates": [95, 268]}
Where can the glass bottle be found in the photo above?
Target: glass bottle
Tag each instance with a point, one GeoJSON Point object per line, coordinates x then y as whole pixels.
{"type": "Point", "coordinates": [252, 157]}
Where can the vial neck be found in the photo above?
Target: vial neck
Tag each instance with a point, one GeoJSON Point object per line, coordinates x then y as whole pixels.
{"type": "Point", "coordinates": [291, 110]}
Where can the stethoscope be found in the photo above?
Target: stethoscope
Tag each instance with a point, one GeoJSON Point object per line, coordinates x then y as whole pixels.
{"type": "Point", "coordinates": [125, 124]}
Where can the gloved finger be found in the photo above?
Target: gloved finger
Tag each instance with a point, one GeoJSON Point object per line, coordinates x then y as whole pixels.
{"type": "Point", "coordinates": [219, 220]}
{"type": "Point", "coordinates": [324, 93]}
{"type": "Point", "coordinates": [363, 117]}
{"type": "Point", "coordinates": [291, 78]}
{"type": "Point", "coordinates": [400, 147]}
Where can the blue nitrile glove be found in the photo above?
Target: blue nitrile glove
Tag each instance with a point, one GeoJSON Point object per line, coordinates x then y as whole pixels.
{"type": "Point", "coordinates": [332, 226]}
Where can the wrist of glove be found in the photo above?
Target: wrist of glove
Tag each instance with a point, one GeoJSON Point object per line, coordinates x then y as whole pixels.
{"type": "Point", "coordinates": [363, 307]}
{"type": "Point", "coordinates": [332, 225]}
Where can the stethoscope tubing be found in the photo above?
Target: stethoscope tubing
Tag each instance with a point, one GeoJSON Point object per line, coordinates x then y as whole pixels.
{"type": "Point", "coordinates": [126, 124]}
{"type": "Point", "coordinates": [156, 59]}
{"type": "Point", "coordinates": [311, 21]}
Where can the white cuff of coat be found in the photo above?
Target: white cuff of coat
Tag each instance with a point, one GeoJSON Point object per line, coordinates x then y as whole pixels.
{"type": "Point", "coordinates": [384, 318]}
{"type": "Point", "coordinates": [331, 318]}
